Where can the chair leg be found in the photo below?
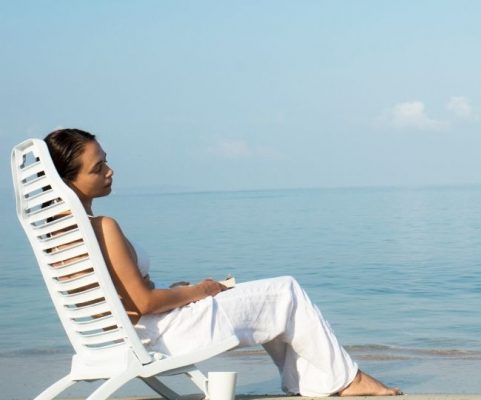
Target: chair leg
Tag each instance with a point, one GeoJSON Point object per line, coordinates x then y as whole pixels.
{"type": "Point", "coordinates": [198, 378]}
{"type": "Point", "coordinates": [58, 387]}
{"type": "Point", "coordinates": [111, 385]}
{"type": "Point", "coordinates": [156, 385]}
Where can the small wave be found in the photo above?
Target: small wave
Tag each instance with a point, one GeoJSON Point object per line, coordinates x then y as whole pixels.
{"type": "Point", "coordinates": [36, 352]}
{"type": "Point", "coordinates": [367, 352]}
{"type": "Point", "coordinates": [252, 351]}
{"type": "Point", "coordinates": [376, 352]}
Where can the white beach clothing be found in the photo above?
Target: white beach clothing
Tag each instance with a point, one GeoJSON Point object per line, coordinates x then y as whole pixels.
{"type": "Point", "coordinates": [143, 259]}
{"type": "Point", "coordinates": [275, 313]}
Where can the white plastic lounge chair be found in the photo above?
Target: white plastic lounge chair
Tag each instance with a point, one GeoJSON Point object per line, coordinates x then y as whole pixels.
{"type": "Point", "coordinates": [105, 342]}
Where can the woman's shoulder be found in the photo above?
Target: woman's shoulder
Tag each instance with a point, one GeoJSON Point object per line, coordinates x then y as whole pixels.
{"type": "Point", "coordinates": [105, 225]}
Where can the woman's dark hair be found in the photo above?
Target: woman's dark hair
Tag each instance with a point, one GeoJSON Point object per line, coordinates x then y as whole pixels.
{"type": "Point", "coordinates": [65, 146]}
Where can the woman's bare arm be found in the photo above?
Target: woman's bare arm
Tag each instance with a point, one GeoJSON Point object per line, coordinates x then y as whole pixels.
{"type": "Point", "coordinates": [129, 281]}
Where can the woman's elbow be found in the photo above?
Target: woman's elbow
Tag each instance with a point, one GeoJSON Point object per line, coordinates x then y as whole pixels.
{"type": "Point", "coordinates": [144, 309]}
{"type": "Point", "coordinates": [158, 301]}
{"type": "Point", "coordinates": [145, 305]}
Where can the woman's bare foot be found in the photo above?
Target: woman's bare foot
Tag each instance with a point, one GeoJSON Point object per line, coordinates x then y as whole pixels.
{"type": "Point", "coordinates": [365, 385]}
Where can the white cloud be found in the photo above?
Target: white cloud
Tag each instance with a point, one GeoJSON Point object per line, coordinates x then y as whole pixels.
{"type": "Point", "coordinates": [238, 149]}
{"type": "Point", "coordinates": [411, 115]}
{"type": "Point", "coordinates": [461, 107]}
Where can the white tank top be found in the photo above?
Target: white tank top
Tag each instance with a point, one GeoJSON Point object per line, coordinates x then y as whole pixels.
{"type": "Point", "coordinates": [143, 259]}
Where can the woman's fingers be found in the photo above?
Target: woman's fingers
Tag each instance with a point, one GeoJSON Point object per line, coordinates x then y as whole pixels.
{"type": "Point", "coordinates": [211, 287]}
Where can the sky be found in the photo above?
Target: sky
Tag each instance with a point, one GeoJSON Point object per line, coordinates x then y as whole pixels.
{"type": "Point", "coordinates": [250, 95]}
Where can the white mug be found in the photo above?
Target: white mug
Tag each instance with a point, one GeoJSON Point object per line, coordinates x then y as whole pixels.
{"type": "Point", "coordinates": [220, 385]}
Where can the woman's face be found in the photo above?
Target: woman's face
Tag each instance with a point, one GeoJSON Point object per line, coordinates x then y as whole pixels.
{"type": "Point", "coordinates": [95, 176]}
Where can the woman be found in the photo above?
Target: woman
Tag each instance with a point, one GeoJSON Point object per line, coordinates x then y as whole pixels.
{"type": "Point", "coordinates": [273, 312]}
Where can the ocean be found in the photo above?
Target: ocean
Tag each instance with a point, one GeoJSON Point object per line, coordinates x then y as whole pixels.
{"type": "Point", "coordinates": [396, 271]}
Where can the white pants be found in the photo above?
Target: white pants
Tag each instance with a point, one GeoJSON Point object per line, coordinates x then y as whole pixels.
{"type": "Point", "coordinates": [275, 313]}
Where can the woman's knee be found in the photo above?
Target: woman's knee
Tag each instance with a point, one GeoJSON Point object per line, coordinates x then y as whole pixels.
{"type": "Point", "coordinates": [288, 281]}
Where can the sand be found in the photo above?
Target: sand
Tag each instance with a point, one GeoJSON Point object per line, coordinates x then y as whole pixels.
{"type": "Point", "coordinates": [276, 397]}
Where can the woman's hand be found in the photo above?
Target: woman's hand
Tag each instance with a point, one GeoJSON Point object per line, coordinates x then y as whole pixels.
{"type": "Point", "coordinates": [210, 287]}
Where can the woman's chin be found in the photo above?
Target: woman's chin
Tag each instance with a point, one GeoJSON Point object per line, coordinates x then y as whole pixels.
{"type": "Point", "coordinates": [106, 192]}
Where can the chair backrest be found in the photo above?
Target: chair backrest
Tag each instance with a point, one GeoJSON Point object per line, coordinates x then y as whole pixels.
{"type": "Point", "coordinates": [70, 260]}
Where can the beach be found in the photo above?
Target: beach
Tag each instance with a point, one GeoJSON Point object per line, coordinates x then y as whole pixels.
{"type": "Point", "coordinates": [270, 397]}
{"type": "Point", "coordinates": [419, 377]}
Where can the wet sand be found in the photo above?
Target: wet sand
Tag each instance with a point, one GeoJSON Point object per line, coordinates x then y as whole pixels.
{"type": "Point", "coordinates": [453, 377]}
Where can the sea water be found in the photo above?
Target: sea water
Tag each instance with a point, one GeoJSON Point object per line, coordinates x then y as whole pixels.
{"type": "Point", "coordinates": [396, 271]}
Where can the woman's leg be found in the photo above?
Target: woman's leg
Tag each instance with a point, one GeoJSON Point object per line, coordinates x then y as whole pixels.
{"type": "Point", "coordinates": [278, 314]}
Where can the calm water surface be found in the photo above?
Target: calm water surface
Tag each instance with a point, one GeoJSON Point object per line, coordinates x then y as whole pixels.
{"type": "Point", "coordinates": [396, 271]}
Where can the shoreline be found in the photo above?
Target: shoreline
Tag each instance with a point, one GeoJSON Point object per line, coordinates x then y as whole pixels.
{"type": "Point", "coordinates": [277, 397]}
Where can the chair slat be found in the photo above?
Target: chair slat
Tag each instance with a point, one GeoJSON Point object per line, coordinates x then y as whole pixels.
{"type": "Point", "coordinates": [55, 225]}
{"type": "Point", "coordinates": [62, 255]}
{"type": "Point", "coordinates": [83, 297]}
{"type": "Point", "coordinates": [88, 311]}
{"type": "Point", "coordinates": [71, 269]}
{"type": "Point", "coordinates": [40, 198]}
{"type": "Point", "coordinates": [105, 338]}
{"type": "Point", "coordinates": [76, 283]}
{"type": "Point", "coordinates": [61, 239]}
{"type": "Point", "coordinates": [30, 170]}
{"type": "Point", "coordinates": [94, 323]}
{"type": "Point", "coordinates": [35, 184]}
{"type": "Point", "coordinates": [48, 212]}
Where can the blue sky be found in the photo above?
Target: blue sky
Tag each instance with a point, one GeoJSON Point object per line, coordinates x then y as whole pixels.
{"type": "Point", "coordinates": [224, 95]}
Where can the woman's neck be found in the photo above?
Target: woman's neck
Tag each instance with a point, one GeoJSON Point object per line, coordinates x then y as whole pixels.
{"type": "Point", "coordinates": [88, 207]}
{"type": "Point", "coordinates": [86, 202]}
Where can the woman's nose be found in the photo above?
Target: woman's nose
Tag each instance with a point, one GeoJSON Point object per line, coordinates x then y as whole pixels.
{"type": "Point", "coordinates": [110, 172]}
